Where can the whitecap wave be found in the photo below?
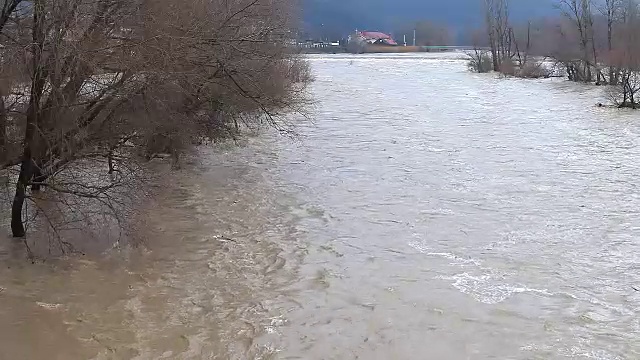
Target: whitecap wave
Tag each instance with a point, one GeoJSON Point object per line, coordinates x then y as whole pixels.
{"type": "Point", "coordinates": [489, 290]}
{"type": "Point", "coordinates": [455, 259]}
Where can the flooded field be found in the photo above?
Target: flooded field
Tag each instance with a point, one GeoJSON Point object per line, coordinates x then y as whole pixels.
{"type": "Point", "coordinates": [424, 213]}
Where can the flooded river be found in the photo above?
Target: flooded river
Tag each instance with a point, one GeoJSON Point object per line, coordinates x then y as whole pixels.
{"type": "Point", "coordinates": [424, 213]}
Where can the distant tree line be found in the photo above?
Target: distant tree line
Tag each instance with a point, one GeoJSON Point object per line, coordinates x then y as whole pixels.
{"type": "Point", "coordinates": [91, 89]}
{"type": "Point", "coordinates": [591, 41]}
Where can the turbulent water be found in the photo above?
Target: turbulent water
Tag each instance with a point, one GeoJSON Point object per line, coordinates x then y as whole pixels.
{"type": "Point", "coordinates": [424, 212]}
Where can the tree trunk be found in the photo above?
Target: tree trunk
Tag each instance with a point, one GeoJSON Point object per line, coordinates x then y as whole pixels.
{"type": "Point", "coordinates": [17, 226]}
{"type": "Point", "coordinates": [3, 130]}
{"type": "Point", "coordinates": [493, 46]}
{"type": "Point", "coordinates": [33, 112]}
{"type": "Point", "coordinates": [494, 57]}
{"type": "Point", "coordinates": [491, 33]}
{"type": "Point", "coordinates": [625, 94]}
{"type": "Point", "coordinates": [612, 78]}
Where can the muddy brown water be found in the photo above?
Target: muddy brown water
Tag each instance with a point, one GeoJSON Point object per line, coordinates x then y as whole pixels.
{"type": "Point", "coordinates": [425, 213]}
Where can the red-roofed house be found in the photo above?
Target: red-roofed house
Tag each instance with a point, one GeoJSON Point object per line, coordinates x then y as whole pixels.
{"type": "Point", "coordinates": [375, 37]}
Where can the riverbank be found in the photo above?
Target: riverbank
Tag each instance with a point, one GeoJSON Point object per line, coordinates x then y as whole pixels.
{"type": "Point", "coordinates": [378, 49]}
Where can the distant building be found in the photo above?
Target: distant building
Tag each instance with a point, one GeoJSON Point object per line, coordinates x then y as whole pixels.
{"type": "Point", "coordinates": [373, 38]}
{"type": "Point", "coordinates": [364, 41]}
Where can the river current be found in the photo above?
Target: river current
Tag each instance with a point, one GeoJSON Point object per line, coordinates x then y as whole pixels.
{"type": "Point", "coordinates": [420, 212]}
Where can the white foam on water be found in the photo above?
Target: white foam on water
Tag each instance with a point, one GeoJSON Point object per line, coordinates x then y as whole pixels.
{"type": "Point", "coordinates": [422, 248]}
{"type": "Point", "coordinates": [574, 352]}
{"type": "Point", "coordinates": [488, 290]}
{"type": "Point", "coordinates": [437, 211]}
{"type": "Point", "coordinates": [275, 324]}
{"type": "Point", "coordinates": [436, 150]}
{"type": "Point", "coordinates": [49, 306]}
{"type": "Point", "coordinates": [455, 259]}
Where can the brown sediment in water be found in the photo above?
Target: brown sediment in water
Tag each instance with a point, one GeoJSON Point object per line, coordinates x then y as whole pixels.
{"type": "Point", "coordinates": [437, 213]}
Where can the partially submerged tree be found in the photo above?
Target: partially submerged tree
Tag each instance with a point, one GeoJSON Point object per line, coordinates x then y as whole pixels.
{"type": "Point", "coordinates": [498, 31]}
{"type": "Point", "coordinates": [6, 10]}
{"type": "Point", "coordinates": [612, 12]}
{"type": "Point", "coordinates": [527, 62]}
{"type": "Point", "coordinates": [109, 80]}
{"type": "Point", "coordinates": [480, 59]}
{"type": "Point", "coordinates": [509, 48]}
{"type": "Point", "coordinates": [593, 42]}
{"type": "Point", "coordinates": [625, 57]}
{"type": "Point", "coordinates": [581, 67]}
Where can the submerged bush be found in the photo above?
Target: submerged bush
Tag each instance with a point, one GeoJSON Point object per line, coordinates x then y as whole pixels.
{"type": "Point", "coordinates": [108, 80]}
{"type": "Point", "coordinates": [480, 62]}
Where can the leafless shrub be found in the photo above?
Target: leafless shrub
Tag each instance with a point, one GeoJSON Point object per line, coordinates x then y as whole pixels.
{"type": "Point", "coordinates": [107, 83]}
{"type": "Point", "coordinates": [534, 69]}
{"type": "Point", "coordinates": [625, 93]}
{"type": "Point", "coordinates": [508, 67]}
{"type": "Point", "coordinates": [480, 58]}
{"type": "Point", "coordinates": [480, 61]}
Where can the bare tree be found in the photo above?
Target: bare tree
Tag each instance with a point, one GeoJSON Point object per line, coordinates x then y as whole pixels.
{"type": "Point", "coordinates": [8, 8]}
{"type": "Point", "coordinates": [498, 31]}
{"type": "Point", "coordinates": [594, 41]}
{"type": "Point", "coordinates": [480, 59]}
{"type": "Point", "coordinates": [526, 64]}
{"type": "Point", "coordinates": [625, 57]}
{"type": "Point", "coordinates": [611, 10]}
{"type": "Point", "coordinates": [108, 80]}
{"type": "Point", "coordinates": [510, 47]}
{"type": "Point", "coordinates": [491, 33]}
{"type": "Point", "coordinates": [580, 14]}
